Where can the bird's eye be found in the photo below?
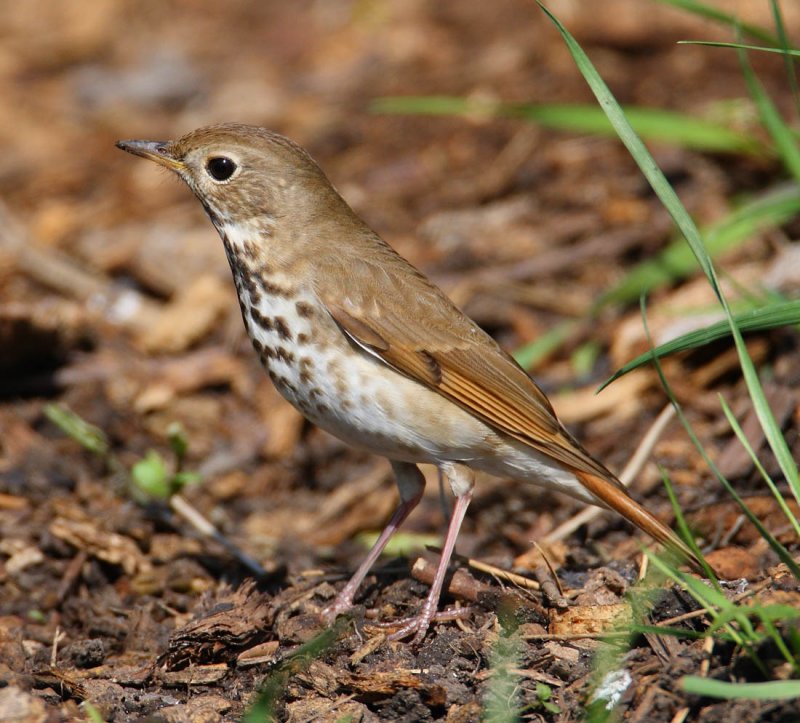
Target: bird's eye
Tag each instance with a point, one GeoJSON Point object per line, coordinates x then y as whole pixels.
{"type": "Point", "coordinates": [220, 168]}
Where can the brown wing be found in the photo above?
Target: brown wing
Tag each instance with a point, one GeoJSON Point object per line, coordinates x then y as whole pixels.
{"type": "Point", "coordinates": [424, 336]}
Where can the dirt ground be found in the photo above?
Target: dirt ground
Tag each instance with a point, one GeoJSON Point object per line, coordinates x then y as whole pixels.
{"type": "Point", "coordinates": [116, 301]}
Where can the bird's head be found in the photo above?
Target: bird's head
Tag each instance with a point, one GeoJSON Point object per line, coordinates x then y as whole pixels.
{"type": "Point", "coordinates": [242, 172]}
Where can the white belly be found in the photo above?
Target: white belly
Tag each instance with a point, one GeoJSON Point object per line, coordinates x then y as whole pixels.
{"type": "Point", "coordinates": [356, 397]}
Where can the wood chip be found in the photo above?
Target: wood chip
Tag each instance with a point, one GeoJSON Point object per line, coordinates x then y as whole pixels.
{"type": "Point", "coordinates": [392, 681]}
{"type": "Point", "coordinates": [344, 708]}
{"type": "Point", "coordinates": [733, 563]}
{"type": "Point", "coordinates": [12, 502]}
{"type": "Point", "coordinates": [168, 379]}
{"type": "Point", "coordinates": [238, 620]}
{"type": "Point", "coordinates": [107, 546]}
{"type": "Point", "coordinates": [258, 654]}
{"type": "Point", "coordinates": [622, 399]}
{"type": "Point", "coordinates": [194, 675]}
{"type": "Point", "coordinates": [189, 317]}
{"type": "Point", "coordinates": [198, 709]}
{"type": "Point", "coordinates": [591, 619]}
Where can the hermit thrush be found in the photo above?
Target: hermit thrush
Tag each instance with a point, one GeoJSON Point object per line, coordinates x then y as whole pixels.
{"type": "Point", "coordinates": [367, 348]}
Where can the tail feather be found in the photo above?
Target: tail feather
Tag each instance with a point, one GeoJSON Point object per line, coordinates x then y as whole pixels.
{"type": "Point", "coordinates": [620, 501]}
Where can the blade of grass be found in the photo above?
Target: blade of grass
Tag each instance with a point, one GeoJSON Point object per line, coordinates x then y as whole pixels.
{"type": "Point", "coordinates": [685, 532]}
{"type": "Point", "coordinates": [729, 620]}
{"type": "Point", "coordinates": [87, 435]}
{"type": "Point", "coordinates": [782, 136]}
{"type": "Point", "coordinates": [778, 548]}
{"type": "Point", "coordinates": [501, 700]}
{"type": "Point", "coordinates": [709, 12]}
{"type": "Point", "coordinates": [769, 317]}
{"type": "Point", "coordinates": [712, 600]}
{"type": "Point", "coordinates": [530, 355]}
{"type": "Point", "coordinates": [677, 260]}
{"type": "Point", "coordinates": [584, 358]}
{"type": "Point", "coordinates": [675, 208]}
{"type": "Point", "coordinates": [743, 46]}
{"type": "Point", "coordinates": [780, 27]}
{"type": "Point", "coordinates": [652, 123]}
{"type": "Point", "coordinates": [663, 630]}
{"type": "Point", "coordinates": [737, 429]}
{"type": "Point", "coordinates": [264, 707]}
{"type": "Point", "coordinates": [772, 690]}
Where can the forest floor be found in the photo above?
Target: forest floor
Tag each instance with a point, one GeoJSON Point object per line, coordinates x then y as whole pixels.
{"type": "Point", "coordinates": [116, 302]}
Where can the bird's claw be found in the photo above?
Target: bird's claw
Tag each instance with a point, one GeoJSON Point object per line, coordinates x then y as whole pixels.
{"type": "Point", "coordinates": [420, 624]}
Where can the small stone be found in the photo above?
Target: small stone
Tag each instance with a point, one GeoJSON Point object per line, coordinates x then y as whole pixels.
{"type": "Point", "coordinates": [87, 653]}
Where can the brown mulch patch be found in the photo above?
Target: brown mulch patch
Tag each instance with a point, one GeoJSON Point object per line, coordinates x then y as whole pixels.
{"type": "Point", "coordinates": [115, 301]}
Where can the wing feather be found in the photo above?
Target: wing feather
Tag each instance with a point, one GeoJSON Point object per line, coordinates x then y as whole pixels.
{"type": "Point", "coordinates": [435, 344]}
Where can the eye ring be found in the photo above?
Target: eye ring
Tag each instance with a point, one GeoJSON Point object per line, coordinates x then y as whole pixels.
{"type": "Point", "coordinates": [221, 168]}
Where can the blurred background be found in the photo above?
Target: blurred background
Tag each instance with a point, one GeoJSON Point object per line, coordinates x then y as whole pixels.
{"type": "Point", "coordinates": [115, 296]}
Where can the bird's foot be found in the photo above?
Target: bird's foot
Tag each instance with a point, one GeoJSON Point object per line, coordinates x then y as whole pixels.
{"type": "Point", "coordinates": [340, 605]}
{"type": "Point", "coordinates": [419, 624]}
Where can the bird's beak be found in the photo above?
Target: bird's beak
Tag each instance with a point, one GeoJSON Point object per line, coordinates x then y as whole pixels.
{"type": "Point", "coordinates": [157, 151]}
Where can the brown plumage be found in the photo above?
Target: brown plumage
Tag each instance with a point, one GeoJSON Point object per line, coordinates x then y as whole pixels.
{"type": "Point", "coordinates": [365, 346]}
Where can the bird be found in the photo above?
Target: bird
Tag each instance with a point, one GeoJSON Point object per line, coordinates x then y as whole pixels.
{"type": "Point", "coordinates": [369, 349]}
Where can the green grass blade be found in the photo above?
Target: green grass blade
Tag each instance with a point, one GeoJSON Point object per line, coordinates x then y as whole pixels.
{"type": "Point", "coordinates": [686, 533]}
{"type": "Point", "coordinates": [677, 261]}
{"type": "Point", "coordinates": [651, 123]}
{"type": "Point", "coordinates": [778, 548]}
{"type": "Point", "coordinates": [761, 319]}
{"type": "Point", "coordinates": [710, 688]}
{"type": "Point", "coordinates": [663, 630]}
{"type": "Point", "coordinates": [743, 46]}
{"type": "Point", "coordinates": [437, 105]}
{"type": "Point", "coordinates": [87, 435]}
{"type": "Point", "coordinates": [683, 220]}
{"type": "Point", "coordinates": [583, 359]}
{"type": "Point", "coordinates": [783, 37]}
{"type": "Point", "coordinates": [782, 136]}
{"type": "Point", "coordinates": [530, 355]}
{"type": "Point", "coordinates": [93, 715]}
{"type": "Point", "coordinates": [737, 429]}
{"type": "Point", "coordinates": [776, 613]}
{"type": "Point", "coordinates": [710, 598]}
{"type": "Point", "coordinates": [709, 12]}
{"type": "Point", "coordinates": [265, 703]}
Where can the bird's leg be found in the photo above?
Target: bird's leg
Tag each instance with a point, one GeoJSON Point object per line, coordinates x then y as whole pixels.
{"type": "Point", "coordinates": [411, 484]}
{"type": "Point", "coordinates": [462, 481]}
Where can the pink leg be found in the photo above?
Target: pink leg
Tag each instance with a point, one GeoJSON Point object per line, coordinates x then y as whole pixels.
{"type": "Point", "coordinates": [462, 481]}
{"type": "Point", "coordinates": [411, 484]}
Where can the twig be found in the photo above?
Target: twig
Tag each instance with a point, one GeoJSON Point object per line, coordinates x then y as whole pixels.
{"type": "Point", "coordinates": [545, 574]}
{"type": "Point", "coordinates": [461, 584]}
{"type": "Point", "coordinates": [496, 572]}
{"type": "Point", "coordinates": [181, 506]}
{"type": "Point", "coordinates": [58, 636]}
{"type": "Point", "coordinates": [577, 636]}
